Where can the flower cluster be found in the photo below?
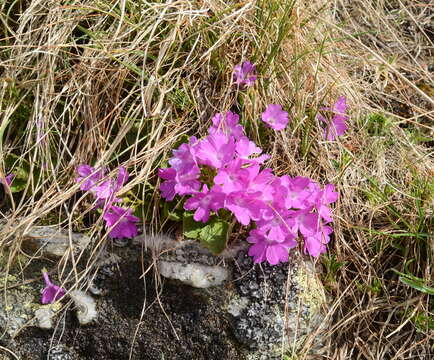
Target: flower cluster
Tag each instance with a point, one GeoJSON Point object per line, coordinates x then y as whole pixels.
{"type": "Point", "coordinates": [120, 221]}
{"type": "Point", "coordinates": [280, 208]}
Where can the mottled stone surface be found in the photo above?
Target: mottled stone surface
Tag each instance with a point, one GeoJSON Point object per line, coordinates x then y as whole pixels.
{"type": "Point", "coordinates": [280, 305]}
{"type": "Point", "coordinates": [254, 314]}
{"type": "Point", "coordinates": [16, 307]}
{"type": "Point", "coordinates": [147, 317]}
{"type": "Point", "coordinates": [50, 242]}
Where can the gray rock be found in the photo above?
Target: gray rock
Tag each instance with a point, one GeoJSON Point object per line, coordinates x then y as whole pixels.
{"type": "Point", "coordinates": [186, 261]}
{"type": "Point", "coordinates": [237, 305]}
{"type": "Point", "coordinates": [16, 306]}
{"type": "Point", "coordinates": [284, 304]}
{"type": "Point", "coordinates": [256, 313]}
{"type": "Point", "coordinates": [53, 243]}
{"type": "Point", "coordinates": [274, 307]}
{"type": "Point", "coordinates": [61, 352]}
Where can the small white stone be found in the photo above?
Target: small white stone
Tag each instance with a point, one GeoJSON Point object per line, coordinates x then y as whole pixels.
{"type": "Point", "coordinates": [44, 317]}
{"type": "Point", "coordinates": [86, 306]}
{"type": "Point", "coordinates": [194, 274]}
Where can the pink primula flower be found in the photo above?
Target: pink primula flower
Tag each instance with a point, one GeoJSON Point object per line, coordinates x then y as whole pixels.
{"type": "Point", "coordinates": [245, 207]}
{"type": "Point", "coordinates": [51, 293]}
{"type": "Point", "coordinates": [167, 187]}
{"type": "Point", "coordinates": [264, 249]}
{"type": "Point", "coordinates": [297, 191]}
{"type": "Point", "coordinates": [260, 180]}
{"type": "Point", "coordinates": [275, 117]}
{"type": "Point", "coordinates": [204, 202]}
{"type": "Point", "coordinates": [303, 221]}
{"type": "Point", "coordinates": [121, 221]}
{"type": "Point", "coordinates": [315, 245]}
{"type": "Point", "coordinates": [185, 156]}
{"type": "Point", "coordinates": [232, 177]}
{"type": "Point", "coordinates": [269, 188]}
{"type": "Point", "coordinates": [7, 180]}
{"type": "Point", "coordinates": [216, 150]}
{"type": "Point", "coordinates": [104, 191]}
{"type": "Point", "coordinates": [245, 148]}
{"type": "Point", "coordinates": [324, 198]}
{"type": "Point", "coordinates": [227, 124]}
{"type": "Point", "coordinates": [337, 125]}
{"type": "Point", "coordinates": [91, 175]}
{"type": "Point", "coordinates": [276, 228]}
{"type": "Point", "coordinates": [244, 75]}
{"type": "Point", "coordinates": [187, 182]}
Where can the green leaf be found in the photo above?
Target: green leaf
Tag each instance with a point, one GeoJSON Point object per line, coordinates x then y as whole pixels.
{"type": "Point", "coordinates": [214, 235]}
{"type": "Point", "coordinates": [190, 227]}
{"type": "Point", "coordinates": [418, 285]}
{"type": "Point", "coordinates": [172, 213]}
{"type": "Point", "coordinates": [414, 282]}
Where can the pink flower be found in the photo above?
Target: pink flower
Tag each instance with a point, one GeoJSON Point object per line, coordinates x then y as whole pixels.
{"type": "Point", "coordinates": [183, 176]}
{"type": "Point", "coordinates": [232, 177]}
{"type": "Point", "coordinates": [167, 187]}
{"type": "Point", "coordinates": [274, 116]}
{"type": "Point", "coordinates": [204, 202]}
{"type": "Point", "coordinates": [51, 293]}
{"type": "Point", "coordinates": [105, 192]}
{"type": "Point", "coordinates": [276, 228]}
{"type": "Point", "coordinates": [337, 125]}
{"type": "Point", "coordinates": [316, 244]}
{"type": "Point", "coordinates": [269, 189]}
{"type": "Point", "coordinates": [216, 150]}
{"type": "Point", "coordinates": [245, 148]}
{"type": "Point", "coordinates": [265, 249]}
{"type": "Point", "coordinates": [90, 176]}
{"type": "Point", "coordinates": [244, 75]}
{"type": "Point", "coordinates": [7, 180]}
{"type": "Point", "coordinates": [305, 222]}
{"type": "Point", "coordinates": [244, 206]}
{"type": "Point", "coordinates": [297, 191]}
{"type": "Point", "coordinates": [227, 124]}
{"type": "Point", "coordinates": [187, 182]}
{"type": "Point", "coordinates": [185, 156]}
{"type": "Point", "coordinates": [325, 197]}
{"type": "Point", "coordinates": [121, 221]}
{"type": "Point", "coordinates": [184, 182]}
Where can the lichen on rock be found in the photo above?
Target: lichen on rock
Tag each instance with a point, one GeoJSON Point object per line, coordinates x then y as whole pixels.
{"type": "Point", "coordinates": [283, 304]}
